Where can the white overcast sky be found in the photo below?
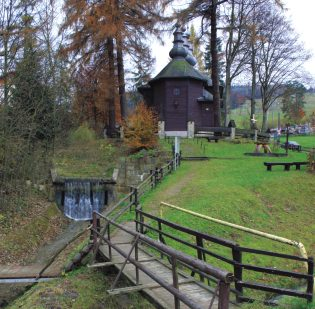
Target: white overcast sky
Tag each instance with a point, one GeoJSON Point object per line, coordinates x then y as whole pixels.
{"type": "Point", "coordinates": [301, 12]}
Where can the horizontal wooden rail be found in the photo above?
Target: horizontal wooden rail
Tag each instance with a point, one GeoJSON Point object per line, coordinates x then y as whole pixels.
{"type": "Point", "coordinates": [218, 240]}
{"type": "Point", "coordinates": [219, 257]}
{"type": "Point", "coordinates": [274, 271]}
{"type": "Point", "coordinates": [275, 254]}
{"type": "Point", "coordinates": [214, 129]}
{"type": "Point", "coordinates": [206, 268]}
{"type": "Point", "coordinates": [262, 287]}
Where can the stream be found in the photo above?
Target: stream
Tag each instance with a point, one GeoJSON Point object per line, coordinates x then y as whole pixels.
{"type": "Point", "coordinates": [8, 292]}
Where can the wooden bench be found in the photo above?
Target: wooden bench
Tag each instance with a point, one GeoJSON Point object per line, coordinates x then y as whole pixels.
{"type": "Point", "coordinates": [286, 165]}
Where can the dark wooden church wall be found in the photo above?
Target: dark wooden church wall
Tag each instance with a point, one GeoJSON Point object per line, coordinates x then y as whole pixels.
{"type": "Point", "coordinates": [194, 108]}
{"type": "Point", "coordinates": [158, 98]}
{"type": "Point", "coordinates": [176, 105]}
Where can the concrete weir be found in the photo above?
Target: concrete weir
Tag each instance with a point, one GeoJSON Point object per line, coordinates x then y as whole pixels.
{"type": "Point", "coordinates": [79, 197]}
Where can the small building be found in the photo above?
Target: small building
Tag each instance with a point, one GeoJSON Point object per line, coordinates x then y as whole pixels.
{"type": "Point", "coordinates": [180, 94]}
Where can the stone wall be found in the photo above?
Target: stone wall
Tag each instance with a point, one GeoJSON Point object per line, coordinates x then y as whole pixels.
{"type": "Point", "coordinates": [132, 171]}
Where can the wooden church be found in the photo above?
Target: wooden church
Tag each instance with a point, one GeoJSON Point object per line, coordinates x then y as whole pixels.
{"type": "Point", "coordinates": [180, 94]}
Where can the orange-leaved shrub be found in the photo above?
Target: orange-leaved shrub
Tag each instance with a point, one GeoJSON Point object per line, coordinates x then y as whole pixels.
{"type": "Point", "coordinates": [140, 129]}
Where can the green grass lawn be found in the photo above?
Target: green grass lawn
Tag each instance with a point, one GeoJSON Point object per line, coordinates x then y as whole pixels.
{"type": "Point", "coordinates": [304, 141]}
{"type": "Point", "coordinates": [238, 189]}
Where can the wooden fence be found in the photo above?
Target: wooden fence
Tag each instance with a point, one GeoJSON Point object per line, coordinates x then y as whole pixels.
{"type": "Point", "coordinates": [158, 225]}
{"type": "Point", "coordinates": [236, 254]}
{"type": "Point", "coordinates": [224, 278]}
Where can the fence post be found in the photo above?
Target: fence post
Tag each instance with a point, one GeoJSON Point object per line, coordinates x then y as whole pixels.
{"type": "Point", "coordinates": [232, 136]}
{"type": "Point", "coordinates": [141, 222]}
{"type": "Point", "coordinates": [109, 247]}
{"type": "Point", "coordinates": [136, 202]}
{"type": "Point", "coordinates": [94, 225]}
{"type": "Point", "coordinates": [310, 281]}
{"type": "Point", "coordinates": [175, 281]}
{"type": "Point", "coordinates": [176, 161]}
{"type": "Point", "coordinates": [160, 236]}
{"type": "Point", "coordinates": [224, 295]}
{"type": "Point", "coordinates": [130, 191]}
{"type": "Point", "coordinates": [156, 176]}
{"type": "Point", "coordinates": [137, 219]}
{"type": "Point", "coordinates": [199, 243]}
{"type": "Point", "coordinates": [136, 258]}
{"type": "Point", "coordinates": [238, 271]}
{"type": "Point", "coordinates": [161, 173]}
{"type": "Point", "coordinates": [152, 179]}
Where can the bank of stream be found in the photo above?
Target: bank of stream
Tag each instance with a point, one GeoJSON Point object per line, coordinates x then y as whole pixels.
{"type": "Point", "coordinates": [8, 292]}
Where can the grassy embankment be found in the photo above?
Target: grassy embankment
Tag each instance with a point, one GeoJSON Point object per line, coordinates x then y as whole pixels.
{"type": "Point", "coordinates": [31, 226]}
{"type": "Point", "coordinates": [238, 189]}
{"type": "Point", "coordinates": [91, 158]}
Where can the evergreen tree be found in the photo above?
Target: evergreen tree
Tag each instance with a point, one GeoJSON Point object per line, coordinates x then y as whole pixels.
{"type": "Point", "coordinates": [208, 59]}
{"type": "Point", "coordinates": [32, 102]}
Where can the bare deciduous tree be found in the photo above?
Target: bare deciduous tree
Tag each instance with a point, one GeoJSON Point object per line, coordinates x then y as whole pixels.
{"type": "Point", "coordinates": [279, 58]}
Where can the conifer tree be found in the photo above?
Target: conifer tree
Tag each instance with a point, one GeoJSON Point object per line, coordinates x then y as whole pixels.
{"type": "Point", "coordinates": [125, 24]}
{"type": "Point", "coordinates": [32, 102]}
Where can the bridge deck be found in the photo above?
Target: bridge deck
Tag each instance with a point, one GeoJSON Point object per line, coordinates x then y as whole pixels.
{"type": "Point", "coordinates": [198, 292]}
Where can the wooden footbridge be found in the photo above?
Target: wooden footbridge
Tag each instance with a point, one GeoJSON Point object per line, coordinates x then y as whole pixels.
{"type": "Point", "coordinates": [161, 278]}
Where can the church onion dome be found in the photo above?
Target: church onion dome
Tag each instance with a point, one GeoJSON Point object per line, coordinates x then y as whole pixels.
{"type": "Point", "coordinates": [178, 51]}
{"type": "Point", "coordinates": [187, 44]}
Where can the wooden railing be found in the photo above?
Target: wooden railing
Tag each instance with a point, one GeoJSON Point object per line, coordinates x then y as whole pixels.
{"type": "Point", "coordinates": [238, 133]}
{"type": "Point", "coordinates": [223, 278]}
{"type": "Point", "coordinates": [148, 222]}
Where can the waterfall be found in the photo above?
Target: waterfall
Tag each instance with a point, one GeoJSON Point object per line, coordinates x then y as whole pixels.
{"type": "Point", "coordinates": [81, 198]}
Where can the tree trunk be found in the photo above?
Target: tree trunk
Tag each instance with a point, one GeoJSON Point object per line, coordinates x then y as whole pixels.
{"type": "Point", "coordinates": [214, 65]}
{"type": "Point", "coordinates": [121, 79]}
{"type": "Point", "coordinates": [253, 89]}
{"type": "Point", "coordinates": [265, 119]}
{"type": "Point", "coordinates": [227, 95]}
{"type": "Point", "coordinates": [5, 71]}
{"type": "Point", "coordinates": [111, 82]}
{"type": "Point", "coordinates": [228, 81]}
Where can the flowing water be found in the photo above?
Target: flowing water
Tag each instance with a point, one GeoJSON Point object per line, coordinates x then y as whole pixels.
{"type": "Point", "coordinates": [81, 198]}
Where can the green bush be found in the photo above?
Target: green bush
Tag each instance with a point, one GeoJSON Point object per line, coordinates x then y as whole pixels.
{"type": "Point", "coordinates": [82, 134]}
